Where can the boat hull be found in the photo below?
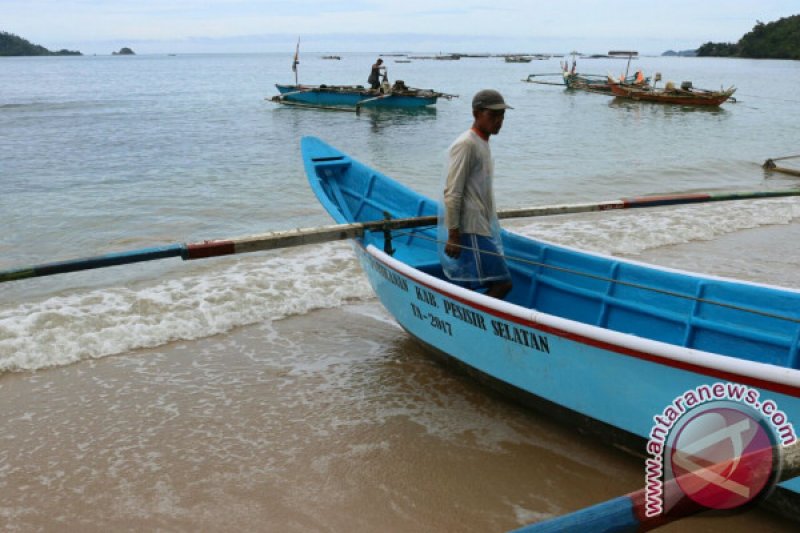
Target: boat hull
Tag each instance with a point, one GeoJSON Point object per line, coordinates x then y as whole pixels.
{"type": "Point", "coordinates": [314, 95]}
{"type": "Point", "coordinates": [671, 97]}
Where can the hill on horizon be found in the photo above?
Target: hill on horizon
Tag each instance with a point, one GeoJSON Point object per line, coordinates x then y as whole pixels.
{"type": "Point", "coordinates": [775, 40]}
{"type": "Point", "coordinates": [14, 45]}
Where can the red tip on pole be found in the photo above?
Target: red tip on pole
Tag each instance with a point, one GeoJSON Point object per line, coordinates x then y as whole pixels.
{"type": "Point", "coordinates": [665, 199]}
{"type": "Point", "coordinates": [205, 249]}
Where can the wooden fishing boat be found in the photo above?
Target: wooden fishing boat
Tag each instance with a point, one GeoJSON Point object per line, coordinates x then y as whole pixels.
{"type": "Point", "coordinates": [354, 97]}
{"type": "Point", "coordinates": [601, 343]}
{"type": "Point", "coordinates": [397, 95]}
{"type": "Point", "coordinates": [595, 84]}
{"type": "Point", "coordinates": [601, 84]}
{"type": "Point", "coordinates": [683, 95]}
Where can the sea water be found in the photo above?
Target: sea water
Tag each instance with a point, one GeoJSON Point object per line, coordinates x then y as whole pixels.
{"type": "Point", "coordinates": [245, 368]}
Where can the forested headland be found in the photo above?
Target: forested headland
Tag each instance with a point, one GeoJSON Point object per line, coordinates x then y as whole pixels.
{"type": "Point", "coordinates": [774, 40]}
{"type": "Point", "coordinates": [13, 45]}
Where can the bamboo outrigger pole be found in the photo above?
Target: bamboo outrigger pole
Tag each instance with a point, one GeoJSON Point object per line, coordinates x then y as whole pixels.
{"type": "Point", "coordinates": [317, 235]}
{"type": "Point", "coordinates": [770, 165]}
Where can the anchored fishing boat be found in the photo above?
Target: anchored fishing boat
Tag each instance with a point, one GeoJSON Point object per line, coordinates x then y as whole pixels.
{"type": "Point", "coordinates": [352, 97]}
{"type": "Point", "coordinates": [596, 341]}
{"type": "Point", "coordinates": [683, 95]}
{"type": "Point", "coordinates": [593, 83]}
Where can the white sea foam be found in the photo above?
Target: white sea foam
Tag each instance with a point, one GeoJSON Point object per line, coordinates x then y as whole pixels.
{"type": "Point", "coordinates": [95, 323]}
{"type": "Point", "coordinates": [631, 232]}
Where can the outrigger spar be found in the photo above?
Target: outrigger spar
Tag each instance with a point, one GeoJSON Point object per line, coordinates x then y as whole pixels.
{"type": "Point", "coordinates": [317, 235]}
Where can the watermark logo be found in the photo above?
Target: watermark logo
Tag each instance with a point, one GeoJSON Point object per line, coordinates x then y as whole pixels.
{"type": "Point", "coordinates": [723, 456]}
{"type": "Point", "coordinates": [718, 445]}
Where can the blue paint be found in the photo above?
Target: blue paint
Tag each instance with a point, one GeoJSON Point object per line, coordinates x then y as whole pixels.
{"type": "Point", "coordinates": [88, 263]}
{"type": "Point", "coordinates": [613, 516]}
{"type": "Point", "coordinates": [313, 95]}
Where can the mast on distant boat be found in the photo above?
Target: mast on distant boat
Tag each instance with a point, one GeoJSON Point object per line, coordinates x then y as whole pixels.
{"type": "Point", "coordinates": [622, 53]}
{"type": "Point", "coordinates": [296, 60]}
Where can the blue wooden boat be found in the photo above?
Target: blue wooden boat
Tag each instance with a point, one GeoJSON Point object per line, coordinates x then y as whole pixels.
{"type": "Point", "coordinates": [596, 341]}
{"type": "Point", "coordinates": [397, 95]}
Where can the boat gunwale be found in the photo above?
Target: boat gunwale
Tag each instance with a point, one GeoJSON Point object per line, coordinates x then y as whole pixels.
{"type": "Point", "coordinates": [409, 92]}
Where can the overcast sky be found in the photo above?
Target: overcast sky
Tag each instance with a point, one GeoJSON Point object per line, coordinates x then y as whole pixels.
{"type": "Point", "coordinates": [160, 26]}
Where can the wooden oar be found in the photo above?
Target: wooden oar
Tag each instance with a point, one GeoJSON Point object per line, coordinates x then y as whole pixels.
{"type": "Point", "coordinates": [317, 235]}
{"type": "Point", "coordinates": [628, 513]}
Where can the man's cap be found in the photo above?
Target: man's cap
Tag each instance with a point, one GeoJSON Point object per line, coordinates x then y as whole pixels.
{"type": "Point", "coordinates": [489, 99]}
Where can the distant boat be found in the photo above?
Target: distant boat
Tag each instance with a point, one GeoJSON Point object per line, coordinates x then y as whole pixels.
{"type": "Point", "coordinates": [353, 97]}
{"type": "Point", "coordinates": [594, 83]}
{"type": "Point", "coordinates": [402, 61]}
{"type": "Point", "coordinates": [397, 95]}
{"type": "Point", "coordinates": [441, 57]}
{"type": "Point", "coordinates": [518, 59]}
{"type": "Point", "coordinates": [598, 83]}
{"type": "Point", "coordinates": [331, 57]}
{"type": "Point", "coordinates": [685, 95]}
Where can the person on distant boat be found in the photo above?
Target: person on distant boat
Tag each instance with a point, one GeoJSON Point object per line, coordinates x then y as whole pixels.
{"type": "Point", "coordinates": [374, 79]}
{"type": "Point", "coordinates": [639, 77]}
{"type": "Point", "coordinates": [470, 247]}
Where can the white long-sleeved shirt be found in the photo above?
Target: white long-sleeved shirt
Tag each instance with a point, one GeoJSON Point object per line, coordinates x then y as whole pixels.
{"type": "Point", "coordinates": [468, 194]}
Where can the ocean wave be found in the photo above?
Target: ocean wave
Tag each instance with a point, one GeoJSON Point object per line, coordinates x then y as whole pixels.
{"type": "Point", "coordinates": [631, 232]}
{"type": "Point", "coordinates": [95, 323]}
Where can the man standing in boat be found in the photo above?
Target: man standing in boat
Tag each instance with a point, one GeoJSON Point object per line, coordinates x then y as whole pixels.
{"type": "Point", "coordinates": [374, 79]}
{"type": "Point", "coordinates": [473, 253]}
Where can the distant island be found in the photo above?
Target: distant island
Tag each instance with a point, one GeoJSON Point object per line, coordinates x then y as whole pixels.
{"type": "Point", "coordinates": [682, 53]}
{"type": "Point", "coordinates": [125, 51]}
{"type": "Point", "coordinates": [13, 45]}
{"type": "Point", "coordinates": [775, 40]}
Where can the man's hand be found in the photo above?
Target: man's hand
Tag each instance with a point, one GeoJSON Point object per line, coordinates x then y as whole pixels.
{"type": "Point", "coordinates": [453, 246]}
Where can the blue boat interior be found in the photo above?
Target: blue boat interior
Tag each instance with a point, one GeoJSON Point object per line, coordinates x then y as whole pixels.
{"type": "Point", "coordinates": [742, 320]}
